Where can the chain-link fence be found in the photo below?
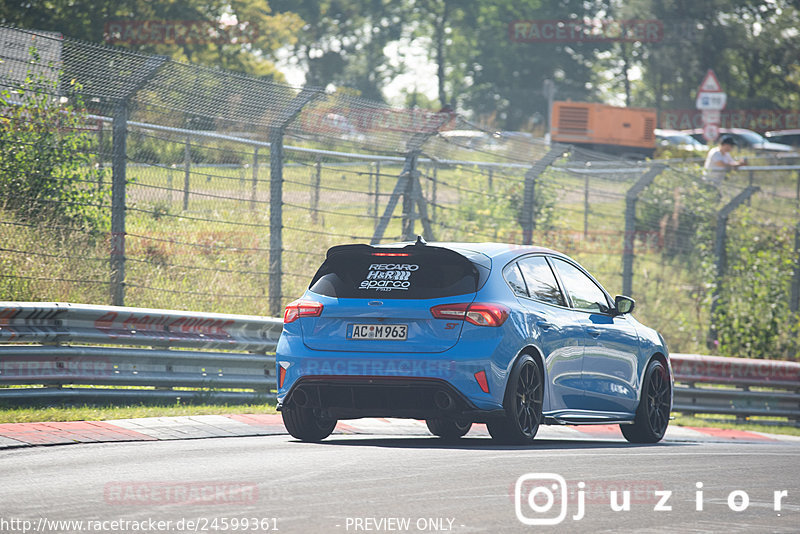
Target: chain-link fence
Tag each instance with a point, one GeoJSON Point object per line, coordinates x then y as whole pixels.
{"type": "Point", "coordinates": [195, 188]}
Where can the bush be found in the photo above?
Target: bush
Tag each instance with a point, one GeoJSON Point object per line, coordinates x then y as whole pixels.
{"type": "Point", "coordinates": [46, 172]}
{"type": "Point", "coordinates": [753, 318]}
{"type": "Point", "coordinates": [682, 210]}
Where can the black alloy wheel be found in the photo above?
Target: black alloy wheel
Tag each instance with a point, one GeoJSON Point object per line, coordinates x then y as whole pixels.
{"type": "Point", "coordinates": [652, 416]}
{"type": "Point", "coordinates": [523, 405]}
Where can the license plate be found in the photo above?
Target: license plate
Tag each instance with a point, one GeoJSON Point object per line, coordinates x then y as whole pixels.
{"type": "Point", "coordinates": [396, 332]}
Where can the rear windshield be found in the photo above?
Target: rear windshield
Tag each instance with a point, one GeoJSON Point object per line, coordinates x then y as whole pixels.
{"type": "Point", "coordinates": [411, 272]}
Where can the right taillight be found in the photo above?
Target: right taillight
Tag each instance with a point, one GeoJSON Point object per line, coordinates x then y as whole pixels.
{"type": "Point", "coordinates": [480, 377]}
{"type": "Point", "coordinates": [301, 308]}
{"type": "Point", "coordinates": [477, 313]}
{"type": "Point", "coordinates": [281, 375]}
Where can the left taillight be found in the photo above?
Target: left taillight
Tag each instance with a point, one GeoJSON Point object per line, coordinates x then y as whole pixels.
{"type": "Point", "coordinates": [477, 313]}
{"type": "Point", "coordinates": [301, 308]}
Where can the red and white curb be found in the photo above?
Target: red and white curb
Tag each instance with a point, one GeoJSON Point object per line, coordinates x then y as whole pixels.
{"type": "Point", "coordinates": [215, 426]}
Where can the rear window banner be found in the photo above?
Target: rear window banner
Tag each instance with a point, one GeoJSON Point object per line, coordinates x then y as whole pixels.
{"type": "Point", "coordinates": [389, 276]}
{"type": "Point", "coordinates": [411, 272]}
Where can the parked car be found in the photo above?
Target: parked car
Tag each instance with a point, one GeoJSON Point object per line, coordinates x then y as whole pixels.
{"type": "Point", "coordinates": [747, 139]}
{"type": "Point", "coordinates": [786, 137]}
{"type": "Point", "coordinates": [472, 139]}
{"type": "Point", "coordinates": [335, 125]}
{"type": "Point", "coordinates": [457, 333]}
{"type": "Point", "coordinates": [519, 136]}
{"type": "Point", "coordinates": [676, 139]}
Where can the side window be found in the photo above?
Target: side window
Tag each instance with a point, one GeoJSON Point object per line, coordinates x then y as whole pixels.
{"type": "Point", "coordinates": [585, 294]}
{"type": "Point", "coordinates": [514, 278]}
{"type": "Point", "coordinates": [541, 281]}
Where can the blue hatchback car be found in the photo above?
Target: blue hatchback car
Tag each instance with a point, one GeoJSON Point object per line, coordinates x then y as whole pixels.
{"type": "Point", "coordinates": [457, 333]}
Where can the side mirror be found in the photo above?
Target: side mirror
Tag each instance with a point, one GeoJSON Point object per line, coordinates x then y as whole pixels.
{"type": "Point", "coordinates": [623, 304]}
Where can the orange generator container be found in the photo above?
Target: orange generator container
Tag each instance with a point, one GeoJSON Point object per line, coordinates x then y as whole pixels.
{"type": "Point", "coordinates": [615, 130]}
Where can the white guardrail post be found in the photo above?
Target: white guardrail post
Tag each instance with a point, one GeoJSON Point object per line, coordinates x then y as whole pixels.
{"type": "Point", "coordinates": [144, 353]}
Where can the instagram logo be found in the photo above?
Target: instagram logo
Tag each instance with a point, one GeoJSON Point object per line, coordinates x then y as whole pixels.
{"type": "Point", "coordinates": [536, 495]}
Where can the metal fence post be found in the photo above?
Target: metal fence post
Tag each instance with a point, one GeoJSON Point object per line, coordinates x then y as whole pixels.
{"type": "Point", "coordinates": [119, 164]}
{"type": "Point", "coordinates": [118, 193]}
{"type": "Point", "coordinates": [242, 179]}
{"type": "Point", "coordinates": [276, 195]}
{"type": "Point", "coordinates": [275, 220]}
{"type": "Point", "coordinates": [187, 171]}
{"type": "Point", "coordinates": [405, 187]}
{"type": "Point", "coordinates": [119, 180]}
{"type": "Point", "coordinates": [433, 192]}
{"type": "Point", "coordinates": [377, 187]}
{"type": "Point", "coordinates": [254, 192]}
{"type": "Point", "coordinates": [528, 222]}
{"type": "Point", "coordinates": [409, 196]}
{"type": "Point", "coordinates": [101, 138]}
{"type": "Point", "coordinates": [315, 191]}
{"type": "Point", "coordinates": [794, 299]}
{"type": "Point", "coordinates": [797, 190]}
{"type": "Point", "coordinates": [586, 207]}
{"type": "Point", "coordinates": [631, 196]}
{"type": "Point", "coordinates": [528, 219]}
{"type": "Point", "coordinates": [721, 255]}
{"type": "Point", "coordinates": [794, 303]}
{"type": "Point", "coordinates": [422, 207]}
{"type": "Point", "coordinates": [370, 192]}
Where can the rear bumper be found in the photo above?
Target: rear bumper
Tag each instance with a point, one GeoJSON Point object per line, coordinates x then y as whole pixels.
{"type": "Point", "coordinates": [352, 397]}
{"type": "Point", "coordinates": [363, 384]}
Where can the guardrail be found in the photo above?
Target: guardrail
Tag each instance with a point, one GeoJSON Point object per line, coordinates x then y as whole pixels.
{"type": "Point", "coordinates": [56, 345]}
{"type": "Point", "coordinates": [147, 353]}
{"type": "Point", "coordinates": [742, 387]}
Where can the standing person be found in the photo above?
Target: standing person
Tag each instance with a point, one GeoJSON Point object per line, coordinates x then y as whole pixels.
{"type": "Point", "coordinates": [719, 161]}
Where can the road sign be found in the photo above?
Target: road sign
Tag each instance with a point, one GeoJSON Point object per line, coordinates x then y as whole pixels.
{"type": "Point", "coordinates": [710, 84]}
{"type": "Point", "coordinates": [711, 132]}
{"type": "Point", "coordinates": [711, 101]}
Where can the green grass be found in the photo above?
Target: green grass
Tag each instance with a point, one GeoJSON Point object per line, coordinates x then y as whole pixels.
{"type": "Point", "coordinates": [101, 413]}
{"type": "Point", "coordinates": [753, 424]}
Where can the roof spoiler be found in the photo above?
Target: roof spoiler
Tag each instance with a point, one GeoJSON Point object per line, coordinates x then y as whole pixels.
{"type": "Point", "coordinates": [370, 249]}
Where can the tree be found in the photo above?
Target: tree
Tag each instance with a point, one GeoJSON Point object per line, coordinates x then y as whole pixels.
{"type": "Point", "coordinates": [437, 18]}
{"type": "Point", "coordinates": [342, 42]}
{"type": "Point", "coordinates": [501, 79]}
{"type": "Point", "coordinates": [87, 20]}
{"type": "Point", "coordinates": [751, 45]}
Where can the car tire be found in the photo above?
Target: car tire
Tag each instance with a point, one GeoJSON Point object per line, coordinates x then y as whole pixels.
{"type": "Point", "coordinates": [652, 415]}
{"type": "Point", "coordinates": [522, 404]}
{"type": "Point", "coordinates": [304, 425]}
{"type": "Point", "coordinates": [448, 429]}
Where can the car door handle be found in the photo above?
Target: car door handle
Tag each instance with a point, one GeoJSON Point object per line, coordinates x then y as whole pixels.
{"type": "Point", "coordinates": [594, 332]}
{"type": "Point", "coordinates": [544, 325]}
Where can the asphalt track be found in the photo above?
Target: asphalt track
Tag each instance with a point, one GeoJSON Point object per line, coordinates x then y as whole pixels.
{"type": "Point", "coordinates": [379, 482]}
